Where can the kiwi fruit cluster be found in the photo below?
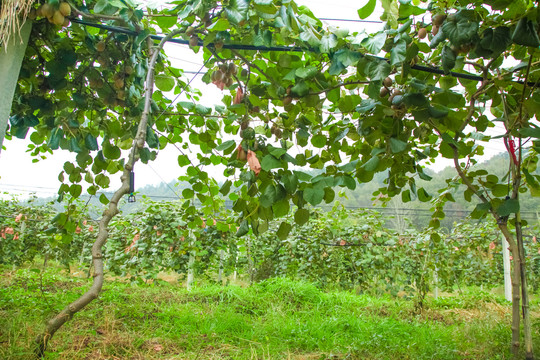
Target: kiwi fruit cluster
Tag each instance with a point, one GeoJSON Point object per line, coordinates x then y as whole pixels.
{"type": "Point", "coordinates": [56, 13]}
{"type": "Point", "coordinates": [223, 76]}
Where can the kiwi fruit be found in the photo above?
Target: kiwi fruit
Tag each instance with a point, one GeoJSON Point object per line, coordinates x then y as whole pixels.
{"type": "Point", "coordinates": [100, 46]}
{"type": "Point", "coordinates": [387, 82]}
{"type": "Point", "coordinates": [58, 18]}
{"type": "Point", "coordinates": [422, 33]}
{"type": "Point", "coordinates": [194, 41]}
{"type": "Point", "coordinates": [65, 9]}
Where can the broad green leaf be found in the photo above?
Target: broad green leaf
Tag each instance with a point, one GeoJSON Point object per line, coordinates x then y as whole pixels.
{"type": "Point", "coordinates": [448, 58]}
{"type": "Point", "coordinates": [509, 206]}
{"type": "Point", "coordinates": [397, 146]}
{"type": "Point", "coordinates": [319, 141]}
{"type": "Point", "coordinates": [313, 195]}
{"type": "Point", "coordinates": [268, 197]}
{"type": "Point", "coordinates": [374, 44]}
{"type": "Point", "coordinates": [525, 33]}
{"type": "Point", "coordinates": [328, 43]}
{"type": "Point", "coordinates": [226, 145]}
{"type": "Point", "coordinates": [284, 230]}
{"type": "Point", "coordinates": [306, 72]}
{"type": "Point", "coordinates": [378, 69]}
{"type": "Point", "coordinates": [164, 82]}
{"type": "Point", "coordinates": [365, 11]}
{"type": "Point", "coordinates": [243, 229]}
{"type": "Point", "coordinates": [371, 164]}
{"type": "Point", "coordinates": [281, 208]}
{"type": "Point", "coordinates": [269, 162]}
{"type": "Point", "coordinates": [461, 31]}
{"type": "Point", "coordinates": [398, 53]}
{"type": "Point", "coordinates": [301, 216]}
{"type": "Point", "coordinates": [237, 10]}
{"type": "Point", "coordinates": [423, 195]}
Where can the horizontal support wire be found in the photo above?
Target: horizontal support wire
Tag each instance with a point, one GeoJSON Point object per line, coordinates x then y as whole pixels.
{"type": "Point", "coordinates": [433, 70]}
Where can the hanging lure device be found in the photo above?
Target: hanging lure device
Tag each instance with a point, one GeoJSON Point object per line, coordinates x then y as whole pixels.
{"type": "Point", "coordinates": [131, 197]}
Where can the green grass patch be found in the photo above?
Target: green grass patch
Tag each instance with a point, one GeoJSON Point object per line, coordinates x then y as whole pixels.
{"type": "Point", "coordinates": [274, 319]}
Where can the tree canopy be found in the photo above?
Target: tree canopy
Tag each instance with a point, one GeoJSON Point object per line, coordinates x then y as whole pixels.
{"type": "Point", "coordinates": [297, 95]}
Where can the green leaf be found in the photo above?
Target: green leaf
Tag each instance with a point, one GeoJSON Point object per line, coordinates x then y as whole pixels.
{"type": "Point", "coordinates": [284, 230]}
{"type": "Point", "coordinates": [319, 141]}
{"type": "Point", "coordinates": [164, 82]}
{"type": "Point", "coordinates": [225, 188]}
{"type": "Point", "coordinates": [306, 72]}
{"type": "Point", "coordinates": [103, 199]}
{"type": "Point", "coordinates": [183, 160]}
{"type": "Point", "coordinates": [237, 10]}
{"type": "Point", "coordinates": [281, 208]}
{"type": "Point", "coordinates": [398, 53]}
{"type": "Point", "coordinates": [509, 206]}
{"type": "Point", "coordinates": [242, 229]}
{"type": "Point", "coordinates": [188, 193]}
{"type": "Point", "coordinates": [300, 89]}
{"type": "Point", "coordinates": [365, 11]}
{"type": "Point", "coordinates": [448, 58]}
{"type": "Point", "coordinates": [406, 196]}
{"type": "Point", "coordinates": [423, 195]}
{"type": "Point", "coordinates": [269, 162]}
{"type": "Point", "coordinates": [166, 22]}
{"type": "Point", "coordinates": [328, 43]}
{"type": "Point", "coordinates": [371, 164]}
{"type": "Point", "coordinates": [397, 146]}
{"type": "Point", "coordinates": [290, 182]}
{"type": "Point", "coordinates": [461, 31]}
{"type": "Point", "coordinates": [301, 216]}
{"type": "Point", "coordinates": [54, 140]}
{"type": "Point", "coordinates": [226, 145]}
{"type": "Point", "coordinates": [374, 44]}
{"type": "Point", "coordinates": [347, 57]}
{"type": "Point", "coordinates": [268, 197]}
{"type": "Point", "coordinates": [313, 195]}
{"type": "Point", "coordinates": [378, 69]}
{"type": "Point", "coordinates": [525, 33]}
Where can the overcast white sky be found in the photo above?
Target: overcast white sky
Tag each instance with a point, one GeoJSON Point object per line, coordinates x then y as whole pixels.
{"type": "Point", "coordinates": [18, 174]}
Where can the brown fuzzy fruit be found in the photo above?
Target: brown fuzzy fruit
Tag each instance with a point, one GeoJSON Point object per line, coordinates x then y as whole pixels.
{"type": "Point", "coordinates": [47, 10]}
{"type": "Point", "coordinates": [64, 9]}
{"type": "Point", "coordinates": [422, 33]}
{"type": "Point", "coordinates": [190, 31]}
{"type": "Point", "coordinates": [218, 45]}
{"type": "Point", "coordinates": [228, 82]}
{"type": "Point", "coordinates": [434, 30]}
{"type": "Point", "coordinates": [387, 82]}
{"type": "Point", "coordinates": [128, 70]}
{"type": "Point", "coordinates": [119, 83]}
{"type": "Point", "coordinates": [100, 46]}
{"type": "Point", "coordinates": [438, 19]}
{"type": "Point", "coordinates": [384, 92]}
{"type": "Point", "coordinates": [287, 100]}
{"type": "Point", "coordinates": [58, 18]}
{"type": "Point", "coordinates": [194, 41]}
{"type": "Point", "coordinates": [231, 70]}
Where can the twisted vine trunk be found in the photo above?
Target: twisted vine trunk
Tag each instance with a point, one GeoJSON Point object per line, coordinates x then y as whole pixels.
{"type": "Point", "coordinates": [97, 256]}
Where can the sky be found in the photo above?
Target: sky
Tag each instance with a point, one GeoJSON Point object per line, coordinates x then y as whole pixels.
{"type": "Point", "coordinates": [18, 174]}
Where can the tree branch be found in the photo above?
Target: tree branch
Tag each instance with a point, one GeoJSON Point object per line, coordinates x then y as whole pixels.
{"type": "Point", "coordinates": [97, 257]}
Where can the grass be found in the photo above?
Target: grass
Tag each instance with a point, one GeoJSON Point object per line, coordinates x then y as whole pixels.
{"type": "Point", "coordinates": [275, 319]}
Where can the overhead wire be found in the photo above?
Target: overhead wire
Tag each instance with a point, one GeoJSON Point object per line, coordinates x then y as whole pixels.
{"type": "Point", "coordinates": [428, 69]}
